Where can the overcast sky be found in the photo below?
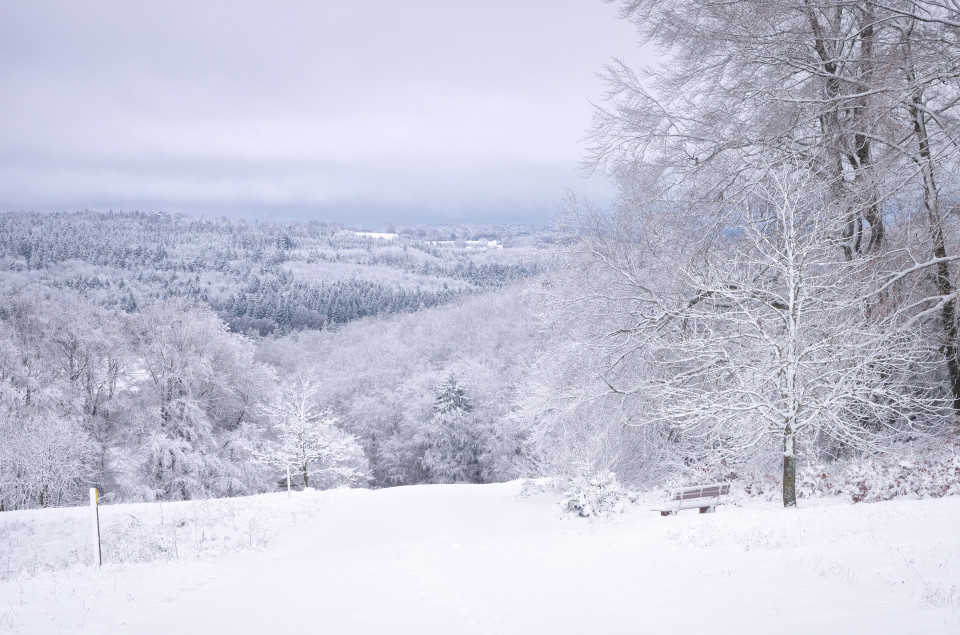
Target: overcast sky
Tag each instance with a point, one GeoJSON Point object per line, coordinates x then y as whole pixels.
{"type": "Point", "coordinates": [358, 112]}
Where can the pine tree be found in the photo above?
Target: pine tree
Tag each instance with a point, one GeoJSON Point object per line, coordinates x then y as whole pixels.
{"type": "Point", "coordinates": [451, 441]}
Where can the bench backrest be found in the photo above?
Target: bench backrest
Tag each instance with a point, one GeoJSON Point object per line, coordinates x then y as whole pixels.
{"type": "Point", "coordinates": [701, 491]}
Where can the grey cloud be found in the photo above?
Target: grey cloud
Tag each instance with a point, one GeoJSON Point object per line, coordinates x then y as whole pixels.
{"type": "Point", "coordinates": [426, 104]}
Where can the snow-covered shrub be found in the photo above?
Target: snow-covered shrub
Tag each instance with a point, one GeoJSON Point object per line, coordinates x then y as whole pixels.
{"type": "Point", "coordinates": [922, 470]}
{"type": "Point", "coordinates": [536, 486]}
{"type": "Point", "coordinates": [760, 484]}
{"type": "Point", "coordinates": [756, 475]}
{"type": "Point", "coordinates": [592, 495]}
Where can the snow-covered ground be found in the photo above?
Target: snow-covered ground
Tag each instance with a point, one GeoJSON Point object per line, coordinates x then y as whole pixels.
{"type": "Point", "coordinates": [483, 559]}
{"type": "Point", "coordinates": [380, 235]}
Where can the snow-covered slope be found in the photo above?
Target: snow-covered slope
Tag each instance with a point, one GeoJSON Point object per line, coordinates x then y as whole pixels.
{"type": "Point", "coordinates": [482, 559]}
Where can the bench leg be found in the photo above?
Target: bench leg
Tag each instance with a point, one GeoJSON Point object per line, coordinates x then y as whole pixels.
{"type": "Point", "coordinates": [668, 513]}
{"type": "Point", "coordinates": [707, 510]}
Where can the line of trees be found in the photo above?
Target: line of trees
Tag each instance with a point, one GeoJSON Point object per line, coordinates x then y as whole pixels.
{"type": "Point", "coordinates": [263, 278]}
{"type": "Point", "coordinates": [430, 394]}
{"type": "Point", "coordinates": [166, 403]}
{"type": "Point", "coordinates": [777, 277]}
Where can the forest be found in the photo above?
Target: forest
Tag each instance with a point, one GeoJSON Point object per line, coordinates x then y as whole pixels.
{"type": "Point", "coordinates": [774, 290]}
{"type": "Point", "coordinates": [168, 358]}
{"type": "Point", "coordinates": [262, 277]}
{"type": "Point", "coordinates": [770, 299]}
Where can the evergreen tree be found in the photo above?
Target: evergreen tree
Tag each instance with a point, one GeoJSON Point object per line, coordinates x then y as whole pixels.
{"type": "Point", "coordinates": [451, 443]}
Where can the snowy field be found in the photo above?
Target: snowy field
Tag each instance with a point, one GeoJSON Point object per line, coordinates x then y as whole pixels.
{"type": "Point", "coordinates": [482, 559]}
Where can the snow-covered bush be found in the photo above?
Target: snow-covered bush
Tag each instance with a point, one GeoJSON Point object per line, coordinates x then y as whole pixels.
{"type": "Point", "coordinates": [593, 495]}
{"type": "Point", "coordinates": [764, 485]}
{"type": "Point", "coordinates": [922, 470]}
{"type": "Point", "coordinates": [757, 475]}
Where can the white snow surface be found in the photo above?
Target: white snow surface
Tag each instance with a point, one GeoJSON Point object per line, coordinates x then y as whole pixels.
{"type": "Point", "coordinates": [380, 235]}
{"type": "Point", "coordinates": [486, 559]}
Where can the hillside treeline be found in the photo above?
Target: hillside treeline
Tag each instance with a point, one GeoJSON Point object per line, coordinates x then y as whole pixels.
{"type": "Point", "coordinates": [166, 403]}
{"type": "Point", "coordinates": [259, 277]}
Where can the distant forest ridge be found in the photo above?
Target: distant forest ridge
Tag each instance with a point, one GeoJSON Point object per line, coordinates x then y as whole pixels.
{"type": "Point", "coordinates": [261, 277]}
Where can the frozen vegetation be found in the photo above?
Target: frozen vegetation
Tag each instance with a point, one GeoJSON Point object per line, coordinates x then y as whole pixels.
{"type": "Point", "coordinates": [129, 370]}
{"type": "Point", "coordinates": [258, 277]}
{"type": "Point", "coordinates": [776, 284]}
{"type": "Point", "coordinates": [771, 301]}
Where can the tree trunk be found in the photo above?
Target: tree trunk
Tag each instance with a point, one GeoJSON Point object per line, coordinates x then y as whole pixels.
{"type": "Point", "coordinates": [945, 287]}
{"type": "Point", "coordinates": [789, 470]}
{"type": "Point", "coordinates": [306, 477]}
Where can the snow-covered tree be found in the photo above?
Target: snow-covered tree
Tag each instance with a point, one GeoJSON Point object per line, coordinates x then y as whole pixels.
{"type": "Point", "coordinates": [47, 455]}
{"type": "Point", "coordinates": [451, 438]}
{"type": "Point", "coordinates": [756, 331]}
{"type": "Point", "coordinates": [198, 386]}
{"type": "Point", "coordinates": [308, 440]}
{"type": "Point", "coordinates": [862, 96]}
{"type": "Point", "coordinates": [381, 377]}
{"type": "Point", "coordinates": [46, 460]}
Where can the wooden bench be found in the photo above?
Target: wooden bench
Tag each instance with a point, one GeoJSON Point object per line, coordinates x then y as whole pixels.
{"type": "Point", "coordinates": [704, 497]}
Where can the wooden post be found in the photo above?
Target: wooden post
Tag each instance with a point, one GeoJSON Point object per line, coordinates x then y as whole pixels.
{"type": "Point", "coordinates": [95, 525]}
